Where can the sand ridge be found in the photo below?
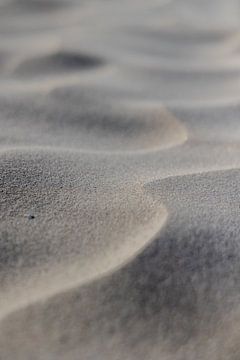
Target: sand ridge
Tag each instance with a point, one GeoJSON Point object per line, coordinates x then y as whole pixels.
{"type": "Point", "coordinates": [119, 180]}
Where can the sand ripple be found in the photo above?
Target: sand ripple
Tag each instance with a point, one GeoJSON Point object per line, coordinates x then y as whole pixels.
{"type": "Point", "coordinates": [56, 63]}
{"type": "Point", "coordinates": [119, 180]}
{"type": "Point", "coordinates": [89, 128]}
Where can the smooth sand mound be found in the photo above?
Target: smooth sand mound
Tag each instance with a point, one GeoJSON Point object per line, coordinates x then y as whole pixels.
{"type": "Point", "coordinates": [173, 296]}
{"type": "Point", "coordinates": [88, 126]}
{"type": "Point", "coordinates": [63, 223]}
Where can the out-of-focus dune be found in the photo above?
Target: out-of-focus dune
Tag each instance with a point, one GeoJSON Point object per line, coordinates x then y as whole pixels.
{"type": "Point", "coordinates": [119, 180]}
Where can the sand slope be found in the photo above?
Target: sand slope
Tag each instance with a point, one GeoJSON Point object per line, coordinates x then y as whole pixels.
{"type": "Point", "coordinates": [119, 180]}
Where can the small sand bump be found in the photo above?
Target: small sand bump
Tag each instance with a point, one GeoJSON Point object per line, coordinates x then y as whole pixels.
{"type": "Point", "coordinates": [89, 126]}
{"type": "Point", "coordinates": [60, 62]}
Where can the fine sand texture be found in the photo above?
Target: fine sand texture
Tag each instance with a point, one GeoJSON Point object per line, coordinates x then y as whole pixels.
{"type": "Point", "coordinates": [119, 180]}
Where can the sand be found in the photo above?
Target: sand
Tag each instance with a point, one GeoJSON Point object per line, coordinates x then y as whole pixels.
{"type": "Point", "coordinates": [119, 180]}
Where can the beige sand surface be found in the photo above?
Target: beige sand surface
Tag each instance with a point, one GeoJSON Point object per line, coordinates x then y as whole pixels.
{"type": "Point", "coordinates": [119, 180]}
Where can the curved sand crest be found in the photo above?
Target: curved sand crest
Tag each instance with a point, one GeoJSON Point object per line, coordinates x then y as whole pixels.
{"type": "Point", "coordinates": [65, 222]}
{"type": "Point", "coordinates": [88, 126]}
{"type": "Point", "coordinates": [207, 124]}
{"type": "Point", "coordinates": [173, 297]}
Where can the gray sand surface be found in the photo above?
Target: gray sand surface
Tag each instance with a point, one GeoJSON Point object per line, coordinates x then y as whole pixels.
{"type": "Point", "coordinates": [119, 180]}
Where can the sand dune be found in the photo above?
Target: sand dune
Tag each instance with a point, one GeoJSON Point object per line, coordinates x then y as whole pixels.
{"type": "Point", "coordinates": [119, 180]}
{"type": "Point", "coordinates": [50, 198]}
{"type": "Point", "coordinates": [173, 296]}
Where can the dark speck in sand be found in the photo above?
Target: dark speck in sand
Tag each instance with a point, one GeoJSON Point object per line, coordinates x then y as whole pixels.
{"type": "Point", "coordinates": [31, 217]}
